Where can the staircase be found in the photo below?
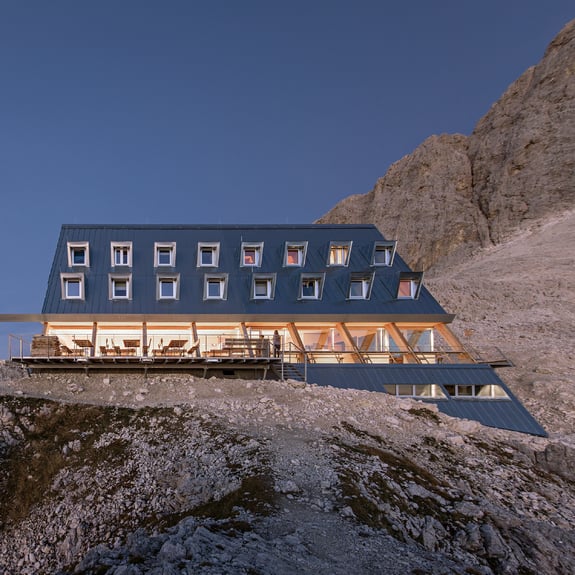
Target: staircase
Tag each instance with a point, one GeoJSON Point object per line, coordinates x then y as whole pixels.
{"type": "Point", "coordinates": [290, 371]}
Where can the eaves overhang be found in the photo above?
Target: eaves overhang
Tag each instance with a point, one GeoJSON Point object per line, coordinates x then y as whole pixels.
{"type": "Point", "coordinates": [226, 318]}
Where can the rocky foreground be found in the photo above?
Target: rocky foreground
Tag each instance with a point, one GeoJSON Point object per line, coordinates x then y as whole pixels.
{"type": "Point", "coordinates": [120, 474]}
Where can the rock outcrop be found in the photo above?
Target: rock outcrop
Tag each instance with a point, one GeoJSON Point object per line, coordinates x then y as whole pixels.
{"type": "Point", "coordinates": [454, 193]}
{"type": "Point", "coordinates": [235, 477]}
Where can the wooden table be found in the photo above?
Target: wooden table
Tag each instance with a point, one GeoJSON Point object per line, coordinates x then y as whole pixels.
{"type": "Point", "coordinates": [177, 343]}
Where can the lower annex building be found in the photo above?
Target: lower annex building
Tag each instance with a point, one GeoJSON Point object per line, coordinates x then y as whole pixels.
{"type": "Point", "coordinates": [330, 304]}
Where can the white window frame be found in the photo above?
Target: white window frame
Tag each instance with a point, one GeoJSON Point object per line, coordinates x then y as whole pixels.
{"type": "Point", "coordinates": [335, 248]}
{"type": "Point", "coordinates": [222, 279]}
{"type": "Point", "coordinates": [270, 283]}
{"type": "Point", "coordinates": [113, 278]}
{"type": "Point", "coordinates": [175, 280]}
{"type": "Point", "coordinates": [72, 247]}
{"type": "Point", "coordinates": [159, 247]}
{"type": "Point", "coordinates": [389, 250]}
{"type": "Point", "coordinates": [477, 391]}
{"type": "Point", "coordinates": [119, 248]}
{"type": "Point", "coordinates": [415, 280]}
{"type": "Point", "coordinates": [258, 248]}
{"type": "Point", "coordinates": [415, 390]}
{"type": "Point", "coordinates": [214, 248]}
{"type": "Point", "coordinates": [366, 285]}
{"type": "Point", "coordinates": [66, 280]}
{"type": "Point", "coordinates": [318, 280]}
{"type": "Point", "coordinates": [301, 248]}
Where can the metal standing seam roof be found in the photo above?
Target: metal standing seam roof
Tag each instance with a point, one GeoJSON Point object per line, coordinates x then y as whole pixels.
{"type": "Point", "coordinates": [501, 413]}
{"type": "Point", "coordinates": [334, 300]}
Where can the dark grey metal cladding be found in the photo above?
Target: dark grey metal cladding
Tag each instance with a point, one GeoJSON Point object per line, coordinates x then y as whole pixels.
{"type": "Point", "coordinates": [501, 413]}
{"type": "Point", "coordinates": [334, 299]}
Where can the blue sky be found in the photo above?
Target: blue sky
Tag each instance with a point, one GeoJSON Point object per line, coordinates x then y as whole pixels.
{"type": "Point", "coordinates": [221, 111]}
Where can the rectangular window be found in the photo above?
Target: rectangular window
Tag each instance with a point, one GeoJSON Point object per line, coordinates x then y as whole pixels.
{"type": "Point", "coordinates": [339, 253]}
{"type": "Point", "coordinates": [168, 287]}
{"type": "Point", "coordinates": [165, 254]}
{"type": "Point", "coordinates": [215, 286]}
{"type": "Point", "coordinates": [295, 253]}
{"type": "Point", "coordinates": [409, 285]}
{"type": "Point", "coordinates": [208, 254]}
{"type": "Point", "coordinates": [121, 254]}
{"type": "Point", "coordinates": [408, 390]}
{"type": "Point", "coordinates": [252, 254]}
{"type": "Point", "coordinates": [263, 287]}
{"type": "Point", "coordinates": [360, 287]}
{"type": "Point", "coordinates": [383, 253]}
{"type": "Point", "coordinates": [72, 286]}
{"type": "Point", "coordinates": [311, 287]}
{"type": "Point", "coordinates": [120, 287]}
{"type": "Point", "coordinates": [78, 254]}
{"type": "Point", "coordinates": [481, 391]}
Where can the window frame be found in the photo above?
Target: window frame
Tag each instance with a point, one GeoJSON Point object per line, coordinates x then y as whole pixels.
{"type": "Point", "coordinates": [65, 280]}
{"type": "Point", "coordinates": [416, 283]}
{"type": "Point", "coordinates": [158, 247]}
{"type": "Point", "coordinates": [270, 280]}
{"type": "Point", "coordinates": [214, 247]}
{"type": "Point", "coordinates": [301, 248]}
{"type": "Point", "coordinates": [71, 249]}
{"type": "Point", "coordinates": [339, 245]}
{"type": "Point", "coordinates": [366, 286]}
{"type": "Point", "coordinates": [112, 279]}
{"type": "Point", "coordinates": [116, 246]}
{"type": "Point", "coordinates": [175, 280]}
{"type": "Point", "coordinates": [319, 280]}
{"type": "Point", "coordinates": [389, 247]}
{"type": "Point", "coordinates": [495, 391]}
{"type": "Point", "coordinates": [258, 248]}
{"type": "Point", "coordinates": [222, 279]}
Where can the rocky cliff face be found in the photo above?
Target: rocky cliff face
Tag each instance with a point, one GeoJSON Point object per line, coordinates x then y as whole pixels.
{"type": "Point", "coordinates": [454, 193]}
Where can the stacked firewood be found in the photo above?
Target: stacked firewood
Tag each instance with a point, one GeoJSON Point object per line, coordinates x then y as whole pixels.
{"type": "Point", "coordinates": [45, 346]}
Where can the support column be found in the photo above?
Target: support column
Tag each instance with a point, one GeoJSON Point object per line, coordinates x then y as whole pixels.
{"type": "Point", "coordinates": [195, 338]}
{"type": "Point", "coordinates": [397, 336]}
{"type": "Point", "coordinates": [296, 338]}
{"type": "Point", "coordinates": [453, 341]}
{"type": "Point", "coordinates": [247, 338]}
{"type": "Point", "coordinates": [145, 342]}
{"type": "Point", "coordinates": [94, 336]}
{"type": "Point", "coordinates": [347, 337]}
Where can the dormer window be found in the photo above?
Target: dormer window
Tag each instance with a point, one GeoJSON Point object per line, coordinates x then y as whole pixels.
{"type": "Point", "coordinates": [208, 255]}
{"type": "Point", "coordinates": [360, 286]}
{"type": "Point", "coordinates": [120, 287]}
{"type": "Point", "coordinates": [165, 254]}
{"type": "Point", "coordinates": [215, 286]}
{"type": "Point", "coordinates": [168, 287]}
{"type": "Point", "coordinates": [295, 253]}
{"type": "Point", "coordinates": [252, 254]}
{"type": "Point", "coordinates": [409, 285]}
{"type": "Point", "coordinates": [311, 286]}
{"type": "Point", "coordinates": [339, 253]}
{"type": "Point", "coordinates": [121, 254]}
{"type": "Point", "coordinates": [383, 253]}
{"type": "Point", "coordinates": [78, 254]}
{"type": "Point", "coordinates": [263, 286]}
{"type": "Point", "coordinates": [72, 286]}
